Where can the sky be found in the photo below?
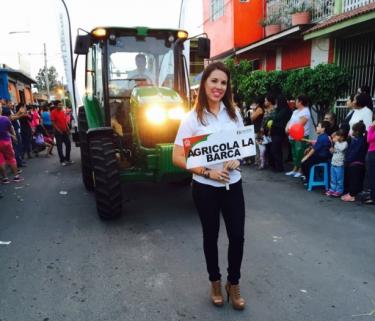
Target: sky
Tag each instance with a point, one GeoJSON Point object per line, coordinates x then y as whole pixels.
{"type": "Point", "coordinates": [28, 24]}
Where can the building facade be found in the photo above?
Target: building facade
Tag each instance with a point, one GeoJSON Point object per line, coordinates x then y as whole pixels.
{"type": "Point", "coordinates": [268, 33]}
{"type": "Point", "coordinates": [15, 85]}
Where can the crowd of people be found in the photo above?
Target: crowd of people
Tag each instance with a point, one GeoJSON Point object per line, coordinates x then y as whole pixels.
{"type": "Point", "coordinates": [347, 147]}
{"type": "Point", "coordinates": [31, 131]}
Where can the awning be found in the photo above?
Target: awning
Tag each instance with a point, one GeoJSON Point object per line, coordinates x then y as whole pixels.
{"type": "Point", "coordinates": [292, 32]}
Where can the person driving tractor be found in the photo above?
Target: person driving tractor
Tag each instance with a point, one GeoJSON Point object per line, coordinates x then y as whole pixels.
{"type": "Point", "coordinates": [141, 75]}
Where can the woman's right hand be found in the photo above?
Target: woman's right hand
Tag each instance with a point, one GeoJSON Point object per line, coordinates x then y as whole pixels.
{"type": "Point", "coordinates": [221, 176]}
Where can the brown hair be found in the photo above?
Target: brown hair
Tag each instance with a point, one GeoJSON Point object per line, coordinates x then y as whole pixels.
{"type": "Point", "coordinates": [202, 102]}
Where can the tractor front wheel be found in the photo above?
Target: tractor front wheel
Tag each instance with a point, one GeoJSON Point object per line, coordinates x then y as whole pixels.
{"type": "Point", "coordinates": [106, 177]}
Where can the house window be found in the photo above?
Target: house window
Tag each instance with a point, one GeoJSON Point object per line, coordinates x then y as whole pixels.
{"type": "Point", "coordinates": [217, 9]}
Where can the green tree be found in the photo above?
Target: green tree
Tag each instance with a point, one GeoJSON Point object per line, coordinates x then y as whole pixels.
{"type": "Point", "coordinates": [52, 78]}
{"type": "Point", "coordinates": [323, 85]}
{"type": "Point", "coordinates": [239, 72]}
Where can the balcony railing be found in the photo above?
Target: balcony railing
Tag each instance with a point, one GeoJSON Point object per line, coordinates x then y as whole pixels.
{"type": "Point", "coordinates": [320, 9]}
{"type": "Point", "coordinates": [353, 4]}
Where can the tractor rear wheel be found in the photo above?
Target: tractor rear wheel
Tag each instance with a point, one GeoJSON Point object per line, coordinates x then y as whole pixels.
{"type": "Point", "coordinates": [106, 177]}
{"type": "Point", "coordinates": [86, 167]}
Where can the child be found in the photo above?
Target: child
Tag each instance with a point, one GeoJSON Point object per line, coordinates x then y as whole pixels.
{"type": "Point", "coordinates": [337, 163]}
{"type": "Point", "coordinates": [262, 141]}
{"type": "Point", "coordinates": [319, 152]}
{"type": "Point", "coordinates": [355, 162]}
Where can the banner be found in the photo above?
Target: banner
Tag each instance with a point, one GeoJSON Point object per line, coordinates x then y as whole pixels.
{"type": "Point", "coordinates": [219, 147]}
{"type": "Point", "coordinates": [67, 59]}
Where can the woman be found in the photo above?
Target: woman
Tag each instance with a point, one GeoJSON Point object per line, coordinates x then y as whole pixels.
{"type": "Point", "coordinates": [269, 111]}
{"type": "Point", "coordinates": [332, 119]}
{"type": "Point", "coordinates": [25, 119]}
{"type": "Point", "coordinates": [302, 116]}
{"type": "Point", "coordinates": [345, 123]}
{"type": "Point", "coordinates": [361, 112]}
{"type": "Point", "coordinates": [46, 120]}
{"type": "Point", "coordinates": [371, 163]}
{"type": "Point", "coordinates": [215, 112]}
{"type": "Point", "coordinates": [280, 118]}
{"type": "Point", "coordinates": [256, 119]}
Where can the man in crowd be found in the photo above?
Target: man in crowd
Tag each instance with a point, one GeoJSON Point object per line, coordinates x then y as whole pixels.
{"type": "Point", "coordinates": [62, 133]}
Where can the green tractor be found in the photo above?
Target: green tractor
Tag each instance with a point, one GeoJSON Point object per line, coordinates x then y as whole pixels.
{"type": "Point", "coordinates": [137, 92]}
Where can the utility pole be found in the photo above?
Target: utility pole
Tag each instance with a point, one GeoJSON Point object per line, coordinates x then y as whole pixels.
{"type": "Point", "coordinates": [46, 70]}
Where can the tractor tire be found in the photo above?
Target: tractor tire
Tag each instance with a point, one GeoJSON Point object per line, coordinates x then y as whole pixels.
{"type": "Point", "coordinates": [106, 177]}
{"type": "Point", "coordinates": [87, 174]}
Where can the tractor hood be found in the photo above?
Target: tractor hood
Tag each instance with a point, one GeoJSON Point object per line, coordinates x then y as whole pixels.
{"type": "Point", "coordinates": [156, 114]}
{"type": "Point", "coordinates": [154, 95]}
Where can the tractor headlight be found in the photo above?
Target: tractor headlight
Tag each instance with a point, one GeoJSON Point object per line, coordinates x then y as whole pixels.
{"type": "Point", "coordinates": [176, 113]}
{"type": "Point", "coordinates": [156, 114]}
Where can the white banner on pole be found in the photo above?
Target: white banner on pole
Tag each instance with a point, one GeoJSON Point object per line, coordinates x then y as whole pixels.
{"type": "Point", "coordinates": [67, 59]}
{"type": "Point", "coordinates": [219, 147]}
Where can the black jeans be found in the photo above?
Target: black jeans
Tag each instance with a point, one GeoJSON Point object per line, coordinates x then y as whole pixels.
{"type": "Point", "coordinates": [277, 152]}
{"type": "Point", "coordinates": [60, 140]}
{"type": "Point", "coordinates": [18, 149]}
{"type": "Point", "coordinates": [26, 143]}
{"type": "Point", "coordinates": [210, 201]}
{"type": "Point", "coordinates": [371, 173]}
{"type": "Point", "coordinates": [355, 176]}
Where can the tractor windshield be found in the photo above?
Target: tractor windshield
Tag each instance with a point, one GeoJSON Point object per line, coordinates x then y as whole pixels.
{"type": "Point", "coordinates": [136, 61]}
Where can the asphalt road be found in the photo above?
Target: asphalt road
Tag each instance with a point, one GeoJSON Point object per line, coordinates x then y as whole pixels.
{"type": "Point", "coordinates": [307, 257]}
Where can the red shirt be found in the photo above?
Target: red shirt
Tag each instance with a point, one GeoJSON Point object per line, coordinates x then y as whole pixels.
{"type": "Point", "coordinates": [59, 119]}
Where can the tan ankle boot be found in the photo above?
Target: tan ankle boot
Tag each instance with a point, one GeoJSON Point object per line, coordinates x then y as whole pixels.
{"type": "Point", "coordinates": [233, 292]}
{"type": "Point", "coordinates": [216, 296]}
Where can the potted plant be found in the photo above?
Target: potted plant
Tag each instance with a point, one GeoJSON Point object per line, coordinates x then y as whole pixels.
{"type": "Point", "coordinates": [271, 24]}
{"type": "Point", "coordinates": [301, 13]}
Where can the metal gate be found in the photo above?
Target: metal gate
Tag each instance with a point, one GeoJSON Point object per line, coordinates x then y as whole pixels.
{"type": "Point", "coordinates": [357, 54]}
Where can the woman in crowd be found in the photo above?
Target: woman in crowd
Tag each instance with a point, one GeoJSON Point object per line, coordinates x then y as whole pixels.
{"type": "Point", "coordinates": [280, 118]}
{"type": "Point", "coordinates": [46, 120]}
{"type": "Point", "coordinates": [332, 119]}
{"type": "Point", "coordinates": [371, 163]}
{"type": "Point", "coordinates": [25, 119]}
{"type": "Point", "coordinates": [300, 116]}
{"type": "Point", "coordinates": [345, 123]}
{"type": "Point", "coordinates": [7, 156]}
{"type": "Point", "coordinates": [269, 111]}
{"type": "Point", "coordinates": [361, 112]}
{"type": "Point", "coordinates": [35, 121]}
{"type": "Point", "coordinates": [256, 119]}
{"type": "Point", "coordinates": [215, 112]}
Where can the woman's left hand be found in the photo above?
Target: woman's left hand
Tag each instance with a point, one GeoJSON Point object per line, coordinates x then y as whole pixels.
{"type": "Point", "coordinates": [232, 165]}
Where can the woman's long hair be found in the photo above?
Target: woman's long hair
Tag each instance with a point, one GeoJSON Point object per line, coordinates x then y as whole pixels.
{"type": "Point", "coordinates": [202, 101]}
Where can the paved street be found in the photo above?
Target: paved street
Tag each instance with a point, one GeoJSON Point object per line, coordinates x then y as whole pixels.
{"type": "Point", "coordinates": [307, 257]}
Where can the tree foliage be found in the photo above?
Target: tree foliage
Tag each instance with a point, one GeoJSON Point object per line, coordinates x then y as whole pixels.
{"type": "Point", "coordinates": [323, 85]}
{"type": "Point", "coordinates": [52, 78]}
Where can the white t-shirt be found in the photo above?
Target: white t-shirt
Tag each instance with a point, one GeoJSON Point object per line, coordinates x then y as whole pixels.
{"type": "Point", "coordinates": [141, 74]}
{"type": "Point", "coordinates": [364, 114]}
{"type": "Point", "coordinates": [191, 126]}
{"type": "Point", "coordinates": [296, 117]}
